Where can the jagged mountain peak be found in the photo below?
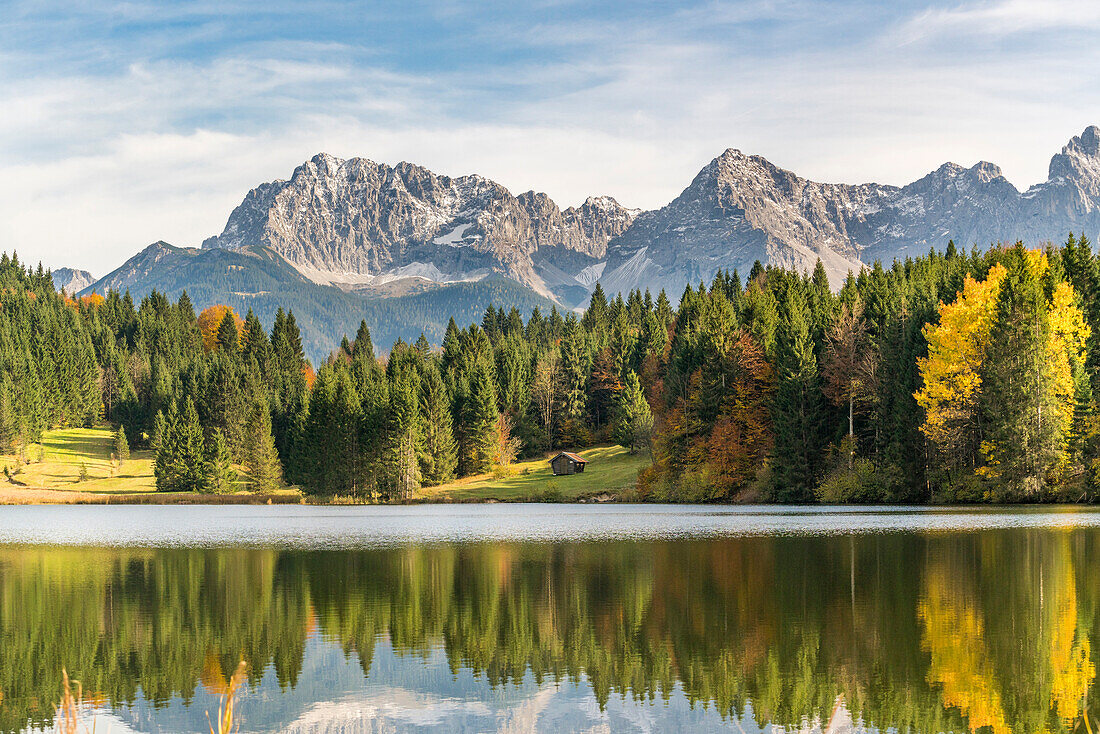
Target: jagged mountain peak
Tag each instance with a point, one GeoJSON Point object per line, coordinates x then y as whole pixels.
{"type": "Point", "coordinates": [741, 208]}
{"type": "Point", "coordinates": [1079, 161]}
{"type": "Point", "coordinates": [354, 221]}
{"type": "Point", "coordinates": [71, 280]}
{"type": "Point", "coordinates": [1087, 143]}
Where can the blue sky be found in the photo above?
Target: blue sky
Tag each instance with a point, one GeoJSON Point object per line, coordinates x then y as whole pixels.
{"type": "Point", "coordinates": [126, 122]}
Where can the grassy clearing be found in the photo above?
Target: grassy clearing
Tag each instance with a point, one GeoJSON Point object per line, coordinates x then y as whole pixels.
{"type": "Point", "coordinates": [53, 474]}
{"type": "Point", "coordinates": [55, 464]}
{"type": "Point", "coordinates": [610, 470]}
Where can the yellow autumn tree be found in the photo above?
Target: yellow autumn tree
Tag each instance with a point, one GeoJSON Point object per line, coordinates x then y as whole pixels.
{"type": "Point", "coordinates": [209, 321]}
{"type": "Point", "coordinates": [951, 371]}
{"type": "Point", "coordinates": [1027, 349]}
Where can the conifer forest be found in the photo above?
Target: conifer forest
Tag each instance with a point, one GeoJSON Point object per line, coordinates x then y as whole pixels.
{"type": "Point", "coordinates": [952, 377]}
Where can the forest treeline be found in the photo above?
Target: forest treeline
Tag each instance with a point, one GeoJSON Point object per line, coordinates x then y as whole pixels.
{"type": "Point", "coordinates": [956, 376]}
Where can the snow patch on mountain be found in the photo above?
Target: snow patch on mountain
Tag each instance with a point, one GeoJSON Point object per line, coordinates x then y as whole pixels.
{"type": "Point", "coordinates": [454, 237]}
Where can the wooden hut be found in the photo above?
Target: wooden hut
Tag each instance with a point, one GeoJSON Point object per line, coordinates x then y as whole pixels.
{"type": "Point", "coordinates": [567, 463]}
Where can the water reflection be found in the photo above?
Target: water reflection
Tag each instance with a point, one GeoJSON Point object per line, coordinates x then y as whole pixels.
{"type": "Point", "coordinates": [990, 630]}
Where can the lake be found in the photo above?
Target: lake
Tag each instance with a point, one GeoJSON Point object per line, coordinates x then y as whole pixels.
{"type": "Point", "coordinates": [557, 618]}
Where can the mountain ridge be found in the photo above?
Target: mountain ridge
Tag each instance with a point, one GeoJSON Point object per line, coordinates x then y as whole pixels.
{"type": "Point", "coordinates": [354, 223]}
{"type": "Point", "coordinates": [71, 280]}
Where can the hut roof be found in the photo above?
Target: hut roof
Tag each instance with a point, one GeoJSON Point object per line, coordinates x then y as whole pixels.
{"type": "Point", "coordinates": [570, 455]}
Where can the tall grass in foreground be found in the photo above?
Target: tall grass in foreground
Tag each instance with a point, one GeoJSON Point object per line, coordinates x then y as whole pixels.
{"type": "Point", "coordinates": [69, 709]}
{"type": "Point", "coordinates": [226, 711]}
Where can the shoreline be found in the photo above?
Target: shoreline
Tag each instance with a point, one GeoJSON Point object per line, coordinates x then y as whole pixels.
{"type": "Point", "coordinates": [43, 496]}
{"type": "Point", "coordinates": [57, 497]}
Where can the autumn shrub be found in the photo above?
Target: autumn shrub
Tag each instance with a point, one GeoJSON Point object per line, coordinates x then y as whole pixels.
{"type": "Point", "coordinates": [858, 484]}
{"type": "Point", "coordinates": [501, 471]}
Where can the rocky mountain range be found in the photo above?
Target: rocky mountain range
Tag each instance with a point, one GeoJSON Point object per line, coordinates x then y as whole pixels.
{"type": "Point", "coordinates": [741, 208]}
{"type": "Point", "coordinates": [358, 224]}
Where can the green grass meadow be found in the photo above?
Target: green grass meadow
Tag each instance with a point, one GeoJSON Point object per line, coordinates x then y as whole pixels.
{"type": "Point", "coordinates": [55, 463]}
{"type": "Point", "coordinates": [610, 470]}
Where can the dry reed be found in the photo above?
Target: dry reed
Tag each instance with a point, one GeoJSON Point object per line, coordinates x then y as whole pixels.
{"type": "Point", "coordinates": [227, 709]}
{"type": "Point", "coordinates": [68, 711]}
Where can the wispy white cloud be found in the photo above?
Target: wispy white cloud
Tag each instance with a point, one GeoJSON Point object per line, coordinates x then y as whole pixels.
{"type": "Point", "coordinates": [1002, 18]}
{"type": "Point", "coordinates": [99, 159]}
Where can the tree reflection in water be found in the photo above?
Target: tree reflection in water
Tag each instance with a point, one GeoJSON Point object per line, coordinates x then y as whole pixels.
{"type": "Point", "coordinates": [987, 630]}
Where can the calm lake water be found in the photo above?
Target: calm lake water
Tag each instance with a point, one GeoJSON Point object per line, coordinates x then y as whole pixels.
{"type": "Point", "coordinates": [518, 618]}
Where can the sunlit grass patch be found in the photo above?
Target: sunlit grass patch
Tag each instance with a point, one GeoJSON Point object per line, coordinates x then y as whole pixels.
{"type": "Point", "coordinates": [63, 455]}
{"type": "Point", "coordinates": [610, 469]}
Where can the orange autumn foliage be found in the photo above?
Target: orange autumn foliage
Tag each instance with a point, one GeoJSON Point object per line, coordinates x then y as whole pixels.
{"type": "Point", "coordinates": [741, 438]}
{"type": "Point", "coordinates": [720, 447]}
{"type": "Point", "coordinates": [209, 321]}
{"type": "Point", "coordinates": [92, 300]}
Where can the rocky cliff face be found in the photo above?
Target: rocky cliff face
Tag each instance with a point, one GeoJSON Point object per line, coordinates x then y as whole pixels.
{"type": "Point", "coordinates": [356, 221]}
{"type": "Point", "coordinates": [70, 280]}
{"type": "Point", "coordinates": [742, 208]}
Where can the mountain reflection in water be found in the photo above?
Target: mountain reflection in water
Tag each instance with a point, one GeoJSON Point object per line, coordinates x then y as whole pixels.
{"type": "Point", "coordinates": [987, 630]}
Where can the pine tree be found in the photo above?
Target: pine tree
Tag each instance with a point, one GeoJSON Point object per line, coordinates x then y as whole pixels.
{"type": "Point", "coordinates": [220, 475]}
{"type": "Point", "coordinates": [363, 346]}
{"type": "Point", "coordinates": [403, 436]}
{"type": "Point", "coordinates": [122, 446]}
{"type": "Point", "coordinates": [439, 457]}
{"type": "Point", "coordinates": [261, 459]}
{"type": "Point", "coordinates": [224, 400]}
{"type": "Point", "coordinates": [1021, 429]}
{"type": "Point", "coordinates": [180, 463]}
{"type": "Point", "coordinates": [254, 342]}
{"type": "Point", "coordinates": [575, 368]}
{"type": "Point", "coordinates": [228, 337]}
{"type": "Point", "coordinates": [191, 451]}
{"type": "Point", "coordinates": [596, 318]}
{"type": "Point", "coordinates": [798, 411]}
{"type": "Point", "coordinates": [633, 424]}
{"type": "Point", "coordinates": [288, 391]}
{"type": "Point", "coordinates": [478, 421]}
{"type": "Point", "coordinates": [8, 414]}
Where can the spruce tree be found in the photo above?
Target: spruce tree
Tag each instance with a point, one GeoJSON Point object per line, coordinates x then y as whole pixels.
{"type": "Point", "coordinates": [254, 342]}
{"type": "Point", "coordinates": [439, 457]}
{"type": "Point", "coordinates": [191, 452]}
{"type": "Point", "coordinates": [8, 414]}
{"type": "Point", "coordinates": [575, 366]}
{"type": "Point", "coordinates": [1021, 432]}
{"type": "Point", "coordinates": [403, 433]}
{"type": "Point", "coordinates": [363, 346]}
{"type": "Point", "coordinates": [228, 337]}
{"type": "Point", "coordinates": [122, 446]}
{"type": "Point", "coordinates": [633, 423]}
{"type": "Point", "coordinates": [798, 409]}
{"type": "Point", "coordinates": [179, 463]}
{"type": "Point", "coordinates": [220, 475]}
{"type": "Point", "coordinates": [478, 421]}
{"type": "Point", "coordinates": [261, 460]}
